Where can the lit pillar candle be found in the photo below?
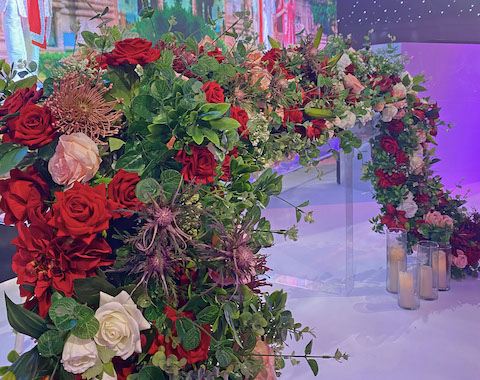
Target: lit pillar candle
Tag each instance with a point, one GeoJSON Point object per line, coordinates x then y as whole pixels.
{"type": "Point", "coordinates": [442, 269]}
{"type": "Point", "coordinates": [426, 282]}
{"type": "Point", "coordinates": [406, 290]}
{"type": "Point", "coordinates": [395, 256]}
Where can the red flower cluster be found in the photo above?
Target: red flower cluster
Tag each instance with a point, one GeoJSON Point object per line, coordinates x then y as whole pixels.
{"type": "Point", "coordinates": [385, 83]}
{"type": "Point", "coordinates": [293, 115]}
{"type": "Point", "coordinates": [314, 131]}
{"type": "Point", "coordinates": [34, 127]}
{"type": "Point", "coordinates": [192, 356]}
{"type": "Point", "coordinates": [386, 180]}
{"type": "Point", "coordinates": [199, 166]}
{"type": "Point", "coordinates": [216, 53]}
{"type": "Point", "coordinates": [43, 260]}
{"type": "Point", "coordinates": [19, 99]}
{"type": "Point", "coordinates": [241, 116]}
{"type": "Point", "coordinates": [271, 57]}
{"type": "Point", "coordinates": [214, 92]}
{"type": "Point", "coordinates": [132, 51]}
{"type": "Point", "coordinates": [81, 212]}
{"type": "Point", "coordinates": [396, 126]}
{"type": "Point", "coordinates": [394, 218]}
{"type": "Point", "coordinates": [23, 195]}
{"type": "Point", "coordinates": [467, 239]}
{"type": "Point", "coordinates": [122, 191]}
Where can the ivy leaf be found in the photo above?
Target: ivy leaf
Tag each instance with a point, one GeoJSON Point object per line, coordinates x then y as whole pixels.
{"type": "Point", "coordinates": [62, 313]}
{"type": "Point", "coordinates": [86, 330]}
{"type": "Point", "coordinates": [147, 189]}
{"type": "Point", "coordinates": [50, 344]}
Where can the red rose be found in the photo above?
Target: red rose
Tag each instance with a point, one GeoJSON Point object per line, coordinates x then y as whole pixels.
{"type": "Point", "coordinates": [133, 51]}
{"type": "Point", "coordinates": [422, 198]}
{"type": "Point", "coordinates": [385, 83]}
{"type": "Point", "coordinates": [386, 180]}
{"type": "Point", "coordinates": [22, 193]}
{"type": "Point", "coordinates": [19, 99]}
{"type": "Point", "coordinates": [81, 212]}
{"type": "Point", "coordinates": [241, 116]}
{"type": "Point", "coordinates": [216, 53]}
{"type": "Point", "coordinates": [293, 115]}
{"type": "Point", "coordinates": [192, 356]}
{"type": "Point", "coordinates": [395, 126]}
{"type": "Point", "coordinates": [397, 178]}
{"type": "Point", "coordinates": [308, 96]}
{"type": "Point", "coordinates": [389, 144]}
{"type": "Point", "coordinates": [226, 164]}
{"type": "Point", "coordinates": [271, 57]}
{"type": "Point", "coordinates": [122, 190]}
{"type": "Point", "coordinates": [200, 165]}
{"type": "Point", "coordinates": [34, 127]}
{"type": "Point", "coordinates": [123, 368]}
{"type": "Point", "coordinates": [433, 132]}
{"type": "Point", "coordinates": [314, 131]}
{"type": "Point", "coordinates": [401, 157]}
{"type": "Point", "coordinates": [214, 92]}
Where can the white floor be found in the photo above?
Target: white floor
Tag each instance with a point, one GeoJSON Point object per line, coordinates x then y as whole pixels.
{"type": "Point", "coordinates": [440, 341]}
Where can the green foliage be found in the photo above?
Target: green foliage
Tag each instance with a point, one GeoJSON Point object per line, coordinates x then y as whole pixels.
{"type": "Point", "coordinates": [25, 321]}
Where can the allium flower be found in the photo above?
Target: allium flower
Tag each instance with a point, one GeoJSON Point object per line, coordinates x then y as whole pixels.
{"type": "Point", "coordinates": [78, 104]}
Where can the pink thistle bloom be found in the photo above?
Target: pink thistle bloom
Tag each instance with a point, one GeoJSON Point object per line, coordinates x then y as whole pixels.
{"type": "Point", "coordinates": [78, 104]}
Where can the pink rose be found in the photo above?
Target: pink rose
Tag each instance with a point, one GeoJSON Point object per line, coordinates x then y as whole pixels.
{"type": "Point", "coordinates": [262, 348]}
{"type": "Point", "coordinates": [446, 221]}
{"type": "Point", "coordinates": [461, 260]}
{"type": "Point", "coordinates": [76, 159]}
{"type": "Point", "coordinates": [433, 218]}
{"type": "Point", "coordinates": [379, 106]}
{"type": "Point", "coordinates": [350, 81]}
{"type": "Point", "coordinates": [400, 113]}
{"type": "Point", "coordinates": [421, 135]}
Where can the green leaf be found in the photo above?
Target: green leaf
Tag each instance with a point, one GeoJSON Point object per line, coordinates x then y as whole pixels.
{"type": "Point", "coordinates": [241, 49]}
{"type": "Point", "coordinates": [191, 339]}
{"type": "Point", "coordinates": [147, 12]}
{"type": "Point", "coordinates": [62, 313]}
{"type": "Point", "coordinates": [12, 356]}
{"type": "Point", "coordinates": [105, 354]}
{"type": "Point", "coordinates": [151, 373]}
{"type": "Point", "coordinates": [160, 88]}
{"type": "Point", "coordinates": [25, 321]}
{"type": "Point", "coordinates": [225, 123]}
{"type": "Point", "coordinates": [23, 83]}
{"type": "Point", "coordinates": [274, 44]}
{"type": "Point", "coordinates": [94, 371]}
{"type": "Point", "coordinates": [211, 135]}
{"type": "Point", "coordinates": [25, 367]}
{"type": "Point", "coordinates": [308, 349]}
{"type": "Point", "coordinates": [228, 309]}
{"type": "Point", "coordinates": [50, 343]}
{"type": "Point", "coordinates": [83, 314]}
{"type": "Point", "coordinates": [115, 144]}
{"type": "Point", "coordinates": [12, 159]}
{"type": "Point", "coordinates": [213, 111]}
{"type": "Point", "coordinates": [9, 376]}
{"type": "Point", "coordinates": [196, 134]}
{"type": "Point", "coordinates": [145, 106]}
{"type": "Point", "coordinates": [418, 88]}
{"type": "Point", "coordinates": [319, 113]}
{"type": "Point", "coordinates": [223, 357]}
{"type": "Point", "coordinates": [86, 330]}
{"type": "Point", "coordinates": [313, 365]}
{"type": "Point", "coordinates": [147, 189]}
{"type": "Point", "coordinates": [333, 61]}
{"type": "Point", "coordinates": [47, 151]}
{"type": "Point", "coordinates": [3, 370]}
{"type": "Point", "coordinates": [318, 37]}
{"type": "Point", "coordinates": [131, 162]}
{"type": "Point", "coordinates": [109, 369]}
{"type": "Point", "coordinates": [406, 80]}
{"type": "Point", "coordinates": [89, 38]}
{"type": "Point", "coordinates": [208, 315]}
{"type": "Point", "coordinates": [87, 290]}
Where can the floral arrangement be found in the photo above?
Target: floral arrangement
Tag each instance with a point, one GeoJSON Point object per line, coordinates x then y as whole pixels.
{"type": "Point", "coordinates": [141, 247]}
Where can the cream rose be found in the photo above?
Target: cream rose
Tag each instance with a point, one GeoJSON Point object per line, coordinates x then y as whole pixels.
{"type": "Point", "coordinates": [79, 354]}
{"type": "Point", "coordinates": [421, 135]}
{"type": "Point", "coordinates": [76, 159]}
{"type": "Point", "coordinates": [389, 112]}
{"type": "Point", "coordinates": [120, 324]}
{"type": "Point", "coordinates": [364, 119]}
{"type": "Point", "coordinates": [409, 206]}
{"type": "Point", "coordinates": [346, 121]}
{"type": "Point", "coordinates": [416, 163]}
{"type": "Point", "coordinates": [434, 218]}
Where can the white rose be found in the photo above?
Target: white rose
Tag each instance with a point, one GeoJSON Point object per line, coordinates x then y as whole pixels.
{"type": "Point", "coordinates": [79, 354]}
{"type": "Point", "coordinates": [416, 163]}
{"type": "Point", "coordinates": [343, 62]}
{"type": "Point", "coordinates": [120, 324]}
{"type": "Point", "coordinates": [400, 89]}
{"type": "Point", "coordinates": [364, 119]}
{"type": "Point", "coordinates": [389, 112]}
{"type": "Point", "coordinates": [346, 121]}
{"type": "Point", "coordinates": [409, 206]}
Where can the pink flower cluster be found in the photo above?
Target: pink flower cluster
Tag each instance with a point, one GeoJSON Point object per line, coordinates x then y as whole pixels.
{"type": "Point", "coordinates": [434, 218]}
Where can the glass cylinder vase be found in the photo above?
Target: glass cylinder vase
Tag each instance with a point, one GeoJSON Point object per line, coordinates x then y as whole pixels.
{"type": "Point", "coordinates": [396, 256]}
{"type": "Point", "coordinates": [427, 257]}
{"type": "Point", "coordinates": [408, 285]}
{"type": "Point", "coordinates": [443, 265]}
